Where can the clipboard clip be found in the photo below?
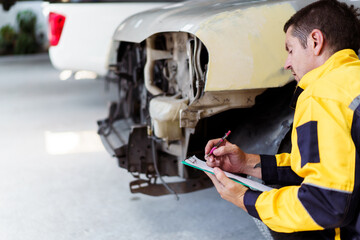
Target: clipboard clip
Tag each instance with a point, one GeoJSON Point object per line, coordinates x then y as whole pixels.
{"type": "Point", "coordinates": [192, 159]}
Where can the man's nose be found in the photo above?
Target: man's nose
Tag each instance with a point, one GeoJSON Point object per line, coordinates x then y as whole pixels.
{"type": "Point", "coordinates": [287, 63]}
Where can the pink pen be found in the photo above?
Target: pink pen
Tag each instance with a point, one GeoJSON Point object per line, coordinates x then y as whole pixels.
{"type": "Point", "coordinates": [218, 144]}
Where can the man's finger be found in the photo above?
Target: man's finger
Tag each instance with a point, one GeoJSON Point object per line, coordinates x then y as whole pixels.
{"type": "Point", "coordinates": [210, 163]}
{"type": "Point", "coordinates": [211, 144]}
{"type": "Point", "coordinates": [221, 177]}
{"type": "Point", "coordinates": [212, 177]}
{"type": "Point", "coordinates": [223, 150]}
{"type": "Point", "coordinates": [216, 183]}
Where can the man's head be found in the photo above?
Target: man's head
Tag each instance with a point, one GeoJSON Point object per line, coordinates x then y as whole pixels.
{"type": "Point", "coordinates": [317, 31]}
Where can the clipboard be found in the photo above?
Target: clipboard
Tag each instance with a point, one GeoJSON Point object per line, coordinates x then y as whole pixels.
{"type": "Point", "coordinates": [201, 165]}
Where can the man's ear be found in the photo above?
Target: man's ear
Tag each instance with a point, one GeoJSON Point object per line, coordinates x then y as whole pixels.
{"type": "Point", "coordinates": [317, 41]}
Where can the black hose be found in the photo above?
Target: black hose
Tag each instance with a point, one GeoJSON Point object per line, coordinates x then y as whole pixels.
{"type": "Point", "coordinates": [157, 170]}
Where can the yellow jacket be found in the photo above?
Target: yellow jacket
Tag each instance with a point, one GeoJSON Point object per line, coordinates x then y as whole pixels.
{"type": "Point", "coordinates": [321, 175]}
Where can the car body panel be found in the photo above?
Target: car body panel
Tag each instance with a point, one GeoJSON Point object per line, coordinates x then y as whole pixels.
{"type": "Point", "coordinates": [249, 32]}
{"type": "Point", "coordinates": [86, 37]}
{"type": "Point", "coordinates": [255, 51]}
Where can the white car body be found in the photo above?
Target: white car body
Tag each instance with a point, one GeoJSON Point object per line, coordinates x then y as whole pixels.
{"type": "Point", "coordinates": [86, 37]}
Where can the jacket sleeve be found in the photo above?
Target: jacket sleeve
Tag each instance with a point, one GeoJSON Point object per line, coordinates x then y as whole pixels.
{"type": "Point", "coordinates": [276, 170]}
{"type": "Point", "coordinates": [325, 155]}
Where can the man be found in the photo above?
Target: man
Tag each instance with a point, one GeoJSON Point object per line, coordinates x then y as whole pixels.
{"type": "Point", "coordinates": [321, 175]}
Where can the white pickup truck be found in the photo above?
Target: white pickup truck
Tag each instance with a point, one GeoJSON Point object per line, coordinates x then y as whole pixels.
{"type": "Point", "coordinates": [80, 32]}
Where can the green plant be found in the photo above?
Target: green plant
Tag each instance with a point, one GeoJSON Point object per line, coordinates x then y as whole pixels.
{"type": "Point", "coordinates": [26, 21]}
{"type": "Point", "coordinates": [25, 44]}
{"type": "Point", "coordinates": [7, 39]}
{"type": "Point", "coordinates": [26, 41]}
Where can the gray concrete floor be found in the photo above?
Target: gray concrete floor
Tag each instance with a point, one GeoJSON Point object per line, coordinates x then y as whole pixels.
{"type": "Point", "coordinates": [57, 182]}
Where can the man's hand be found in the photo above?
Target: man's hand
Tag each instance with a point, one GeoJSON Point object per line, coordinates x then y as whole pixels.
{"type": "Point", "coordinates": [228, 189]}
{"type": "Point", "coordinates": [231, 158]}
{"type": "Point", "coordinates": [227, 156]}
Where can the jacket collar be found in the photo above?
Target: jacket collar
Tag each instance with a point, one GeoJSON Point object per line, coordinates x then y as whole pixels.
{"type": "Point", "coordinates": [336, 60]}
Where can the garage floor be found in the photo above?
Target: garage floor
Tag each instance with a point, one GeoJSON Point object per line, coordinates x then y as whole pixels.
{"type": "Point", "coordinates": [58, 183]}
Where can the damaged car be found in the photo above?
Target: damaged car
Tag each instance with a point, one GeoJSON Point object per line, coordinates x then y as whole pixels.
{"type": "Point", "coordinates": [189, 72]}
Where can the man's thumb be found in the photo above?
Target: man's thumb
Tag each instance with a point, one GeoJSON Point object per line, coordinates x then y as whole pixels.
{"type": "Point", "coordinates": [220, 175]}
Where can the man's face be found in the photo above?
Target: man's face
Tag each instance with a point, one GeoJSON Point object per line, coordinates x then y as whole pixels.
{"type": "Point", "coordinates": [300, 59]}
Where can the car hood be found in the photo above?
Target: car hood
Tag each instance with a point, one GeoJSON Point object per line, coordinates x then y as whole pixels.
{"type": "Point", "coordinates": [244, 39]}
